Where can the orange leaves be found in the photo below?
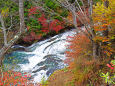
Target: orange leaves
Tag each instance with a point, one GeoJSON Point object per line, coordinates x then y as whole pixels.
{"type": "Point", "coordinates": [108, 53]}
{"type": "Point", "coordinates": [102, 27]}
{"type": "Point", "coordinates": [108, 50]}
{"type": "Point", "coordinates": [8, 78]}
{"type": "Point", "coordinates": [101, 39]}
{"type": "Point", "coordinates": [105, 40]}
{"type": "Point", "coordinates": [99, 29]}
{"type": "Point", "coordinates": [104, 20]}
{"type": "Point", "coordinates": [78, 47]}
{"type": "Point", "coordinates": [69, 17]}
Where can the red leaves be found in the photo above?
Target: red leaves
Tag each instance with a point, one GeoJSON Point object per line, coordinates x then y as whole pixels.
{"type": "Point", "coordinates": [57, 28]}
{"type": "Point", "coordinates": [28, 38]}
{"type": "Point", "coordinates": [9, 78]}
{"type": "Point", "coordinates": [32, 37]}
{"type": "Point", "coordinates": [37, 37]}
{"type": "Point", "coordinates": [1, 83]}
{"type": "Point", "coordinates": [33, 10]}
{"type": "Point", "coordinates": [28, 28]}
{"type": "Point", "coordinates": [32, 34]}
{"type": "Point", "coordinates": [44, 24]}
{"type": "Point", "coordinates": [111, 66]}
{"type": "Point", "coordinates": [42, 19]}
{"type": "Point", "coordinates": [45, 30]}
{"type": "Point", "coordinates": [54, 25]}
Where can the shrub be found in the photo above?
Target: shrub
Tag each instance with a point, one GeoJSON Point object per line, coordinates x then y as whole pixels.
{"type": "Point", "coordinates": [13, 78]}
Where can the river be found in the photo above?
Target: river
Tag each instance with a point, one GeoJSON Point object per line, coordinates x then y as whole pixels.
{"type": "Point", "coordinates": [41, 59]}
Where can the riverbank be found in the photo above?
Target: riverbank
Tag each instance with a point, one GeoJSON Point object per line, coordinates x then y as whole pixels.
{"type": "Point", "coordinates": [26, 44]}
{"type": "Point", "coordinates": [63, 77]}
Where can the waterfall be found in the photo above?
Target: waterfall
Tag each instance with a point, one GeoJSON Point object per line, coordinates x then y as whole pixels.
{"type": "Point", "coordinates": [41, 59]}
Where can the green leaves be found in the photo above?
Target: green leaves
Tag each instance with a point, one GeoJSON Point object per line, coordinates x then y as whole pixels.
{"type": "Point", "coordinates": [107, 78]}
{"type": "Point", "coordinates": [64, 13]}
{"type": "Point", "coordinates": [113, 62]}
{"type": "Point", "coordinates": [51, 4]}
{"type": "Point", "coordinates": [44, 82]}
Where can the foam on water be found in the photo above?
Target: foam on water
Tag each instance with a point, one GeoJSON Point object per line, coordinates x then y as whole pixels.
{"type": "Point", "coordinates": [44, 48]}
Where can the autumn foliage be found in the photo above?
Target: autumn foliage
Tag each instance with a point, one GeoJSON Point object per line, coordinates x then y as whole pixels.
{"type": "Point", "coordinates": [79, 14]}
{"type": "Point", "coordinates": [79, 54]}
{"type": "Point", "coordinates": [54, 25]}
{"type": "Point", "coordinates": [46, 25]}
{"type": "Point", "coordinates": [13, 78]}
{"type": "Point", "coordinates": [84, 67]}
{"type": "Point", "coordinates": [104, 20]}
{"type": "Point", "coordinates": [16, 78]}
{"type": "Point", "coordinates": [79, 58]}
{"type": "Point", "coordinates": [78, 46]}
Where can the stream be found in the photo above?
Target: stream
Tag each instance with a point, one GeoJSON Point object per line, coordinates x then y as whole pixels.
{"type": "Point", "coordinates": [41, 59]}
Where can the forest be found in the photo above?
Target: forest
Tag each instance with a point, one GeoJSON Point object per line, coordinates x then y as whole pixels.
{"type": "Point", "coordinates": [57, 42]}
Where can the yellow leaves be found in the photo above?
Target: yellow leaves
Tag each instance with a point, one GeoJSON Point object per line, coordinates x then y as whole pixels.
{"type": "Point", "coordinates": [98, 38]}
{"type": "Point", "coordinates": [98, 29]}
{"type": "Point", "coordinates": [102, 39]}
{"type": "Point", "coordinates": [100, 9]}
{"type": "Point", "coordinates": [4, 12]}
{"type": "Point", "coordinates": [103, 16]}
{"type": "Point", "coordinates": [108, 50]}
{"type": "Point", "coordinates": [101, 27]}
{"type": "Point", "coordinates": [108, 53]}
{"type": "Point", "coordinates": [112, 3]}
{"type": "Point", "coordinates": [105, 40]}
{"type": "Point", "coordinates": [69, 17]}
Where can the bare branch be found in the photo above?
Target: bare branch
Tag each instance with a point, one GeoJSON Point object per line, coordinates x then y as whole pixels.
{"type": "Point", "coordinates": [52, 12]}
{"type": "Point", "coordinates": [18, 34]}
{"type": "Point", "coordinates": [10, 23]}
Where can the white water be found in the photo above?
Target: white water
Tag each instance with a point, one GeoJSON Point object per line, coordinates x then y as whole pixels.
{"type": "Point", "coordinates": [51, 46]}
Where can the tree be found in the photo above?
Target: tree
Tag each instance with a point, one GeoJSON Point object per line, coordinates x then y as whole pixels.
{"type": "Point", "coordinates": [4, 29]}
{"type": "Point", "coordinates": [8, 44]}
{"type": "Point", "coordinates": [78, 9]}
{"type": "Point", "coordinates": [103, 16]}
{"type": "Point", "coordinates": [21, 13]}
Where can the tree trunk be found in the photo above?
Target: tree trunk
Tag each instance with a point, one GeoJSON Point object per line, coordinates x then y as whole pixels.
{"type": "Point", "coordinates": [17, 36]}
{"type": "Point", "coordinates": [74, 19]}
{"type": "Point", "coordinates": [3, 29]}
{"type": "Point", "coordinates": [1, 59]}
{"type": "Point", "coordinates": [90, 7]}
{"type": "Point", "coordinates": [105, 32]}
{"type": "Point", "coordinates": [96, 50]}
{"type": "Point", "coordinates": [21, 13]}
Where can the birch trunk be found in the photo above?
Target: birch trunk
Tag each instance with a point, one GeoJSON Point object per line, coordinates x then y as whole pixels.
{"type": "Point", "coordinates": [21, 13]}
{"type": "Point", "coordinates": [4, 30]}
{"type": "Point", "coordinates": [17, 36]}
